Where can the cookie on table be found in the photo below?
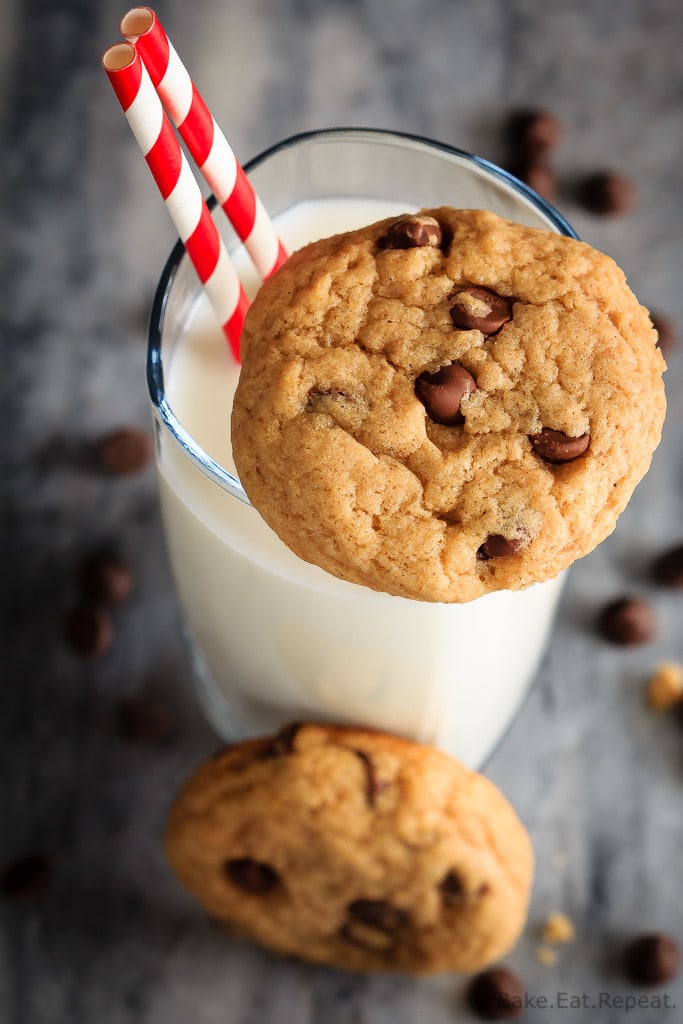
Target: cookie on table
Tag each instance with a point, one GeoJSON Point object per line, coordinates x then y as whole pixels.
{"type": "Point", "coordinates": [446, 404]}
{"type": "Point", "coordinates": [356, 849]}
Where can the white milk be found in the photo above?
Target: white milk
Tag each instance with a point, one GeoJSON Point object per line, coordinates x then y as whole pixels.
{"type": "Point", "coordinates": [276, 639]}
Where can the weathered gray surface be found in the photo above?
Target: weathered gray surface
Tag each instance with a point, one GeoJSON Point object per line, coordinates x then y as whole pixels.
{"type": "Point", "coordinates": [596, 778]}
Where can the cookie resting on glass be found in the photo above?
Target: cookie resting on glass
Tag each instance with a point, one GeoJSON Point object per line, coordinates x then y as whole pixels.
{"type": "Point", "coordinates": [446, 404]}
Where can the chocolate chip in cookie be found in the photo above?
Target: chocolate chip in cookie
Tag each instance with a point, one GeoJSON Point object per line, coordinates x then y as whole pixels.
{"type": "Point", "coordinates": [442, 393]}
{"type": "Point", "coordinates": [497, 546]}
{"type": "Point", "coordinates": [252, 875]}
{"type": "Point", "coordinates": [412, 232]}
{"type": "Point", "coordinates": [480, 309]}
{"type": "Point", "coordinates": [557, 447]}
{"type": "Point", "coordinates": [374, 785]}
{"type": "Point", "coordinates": [373, 924]}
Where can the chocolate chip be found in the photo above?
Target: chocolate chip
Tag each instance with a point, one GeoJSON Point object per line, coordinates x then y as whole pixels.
{"type": "Point", "coordinates": [452, 889]}
{"type": "Point", "coordinates": [373, 784]}
{"type": "Point", "coordinates": [412, 232]}
{"type": "Point", "coordinates": [678, 712]}
{"type": "Point", "coordinates": [125, 451]}
{"type": "Point", "coordinates": [534, 131]}
{"type": "Point", "coordinates": [667, 334]}
{"type": "Point", "coordinates": [497, 546]}
{"type": "Point", "coordinates": [378, 914]}
{"type": "Point", "coordinates": [26, 879]}
{"type": "Point", "coordinates": [667, 568]}
{"type": "Point", "coordinates": [442, 393]}
{"type": "Point", "coordinates": [144, 719]}
{"type": "Point", "coordinates": [628, 621]}
{"type": "Point", "coordinates": [370, 939]}
{"type": "Point", "coordinates": [251, 875]}
{"type": "Point", "coordinates": [496, 994]}
{"type": "Point", "coordinates": [88, 631]}
{"type": "Point", "coordinates": [284, 741]}
{"type": "Point", "coordinates": [607, 193]}
{"type": "Point", "coordinates": [106, 579]}
{"type": "Point", "coordinates": [555, 446]}
{"type": "Point", "coordinates": [537, 174]}
{"type": "Point", "coordinates": [652, 959]}
{"type": "Point", "coordinates": [480, 309]}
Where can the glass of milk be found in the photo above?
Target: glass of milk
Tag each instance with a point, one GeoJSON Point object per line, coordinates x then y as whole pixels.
{"type": "Point", "coordinates": [273, 638]}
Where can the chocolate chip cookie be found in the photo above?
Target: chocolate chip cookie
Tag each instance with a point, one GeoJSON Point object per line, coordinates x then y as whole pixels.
{"type": "Point", "coordinates": [356, 849]}
{"type": "Point", "coordinates": [446, 404]}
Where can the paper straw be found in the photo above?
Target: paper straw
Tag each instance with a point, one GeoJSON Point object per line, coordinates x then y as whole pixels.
{"type": "Point", "coordinates": [205, 140]}
{"type": "Point", "coordinates": [179, 190]}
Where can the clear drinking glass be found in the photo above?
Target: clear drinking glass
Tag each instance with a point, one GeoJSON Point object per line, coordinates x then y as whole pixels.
{"type": "Point", "coordinates": [272, 638]}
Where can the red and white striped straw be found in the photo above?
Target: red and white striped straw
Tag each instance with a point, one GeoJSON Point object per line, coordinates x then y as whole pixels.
{"type": "Point", "coordinates": [205, 140]}
{"type": "Point", "coordinates": [181, 193]}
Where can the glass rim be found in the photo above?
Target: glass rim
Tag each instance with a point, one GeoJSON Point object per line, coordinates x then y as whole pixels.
{"type": "Point", "coordinates": [154, 366]}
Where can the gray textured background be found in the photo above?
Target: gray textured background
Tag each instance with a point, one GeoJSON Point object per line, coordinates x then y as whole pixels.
{"type": "Point", "coordinates": [597, 779]}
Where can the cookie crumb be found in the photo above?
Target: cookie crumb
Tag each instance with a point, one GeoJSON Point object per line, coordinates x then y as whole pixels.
{"type": "Point", "coordinates": [664, 688]}
{"type": "Point", "coordinates": [557, 929]}
{"type": "Point", "coordinates": [546, 956]}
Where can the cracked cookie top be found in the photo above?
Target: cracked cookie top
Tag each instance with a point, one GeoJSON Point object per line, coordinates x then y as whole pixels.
{"type": "Point", "coordinates": [354, 848]}
{"type": "Point", "coordinates": [445, 404]}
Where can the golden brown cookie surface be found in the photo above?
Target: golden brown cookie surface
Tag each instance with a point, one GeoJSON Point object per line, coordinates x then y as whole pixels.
{"type": "Point", "coordinates": [356, 849]}
{"type": "Point", "coordinates": [446, 405]}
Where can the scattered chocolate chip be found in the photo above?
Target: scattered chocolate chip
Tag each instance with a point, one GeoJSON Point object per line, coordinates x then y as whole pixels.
{"type": "Point", "coordinates": [144, 719]}
{"type": "Point", "coordinates": [555, 446]}
{"type": "Point", "coordinates": [667, 568]}
{"type": "Point", "coordinates": [412, 232]}
{"type": "Point", "coordinates": [373, 784]}
{"type": "Point", "coordinates": [88, 630]}
{"type": "Point", "coordinates": [251, 875]}
{"type": "Point", "coordinates": [678, 712]}
{"type": "Point", "coordinates": [378, 914]}
{"type": "Point", "coordinates": [628, 621]}
{"type": "Point", "coordinates": [26, 879]}
{"type": "Point", "coordinates": [607, 193]}
{"type": "Point", "coordinates": [124, 451]}
{"type": "Point", "coordinates": [537, 174]}
{"type": "Point", "coordinates": [652, 959]}
{"type": "Point", "coordinates": [496, 994]}
{"type": "Point", "coordinates": [534, 131]}
{"type": "Point", "coordinates": [480, 309]}
{"type": "Point", "coordinates": [497, 546]}
{"type": "Point", "coordinates": [106, 579]}
{"type": "Point", "coordinates": [442, 393]}
{"type": "Point", "coordinates": [667, 334]}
